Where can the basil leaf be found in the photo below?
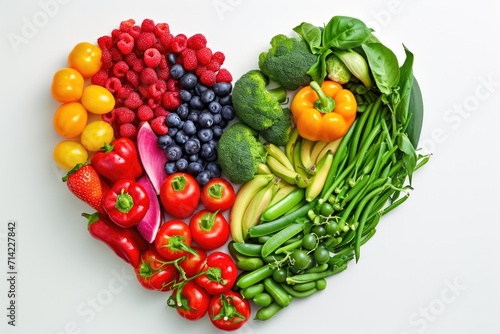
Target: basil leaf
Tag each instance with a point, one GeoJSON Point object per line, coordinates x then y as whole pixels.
{"type": "Point", "coordinates": [318, 70]}
{"type": "Point", "coordinates": [405, 87]}
{"type": "Point", "coordinates": [311, 34]}
{"type": "Point", "coordinates": [410, 155]}
{"type": "Point", "coordinates": [343, 32]}
{"type": "Point", "coordinates": [384, 66]}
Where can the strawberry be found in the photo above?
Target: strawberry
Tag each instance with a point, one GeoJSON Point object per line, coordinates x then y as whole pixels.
{"type": "Point", "coordinates": [85, 183]}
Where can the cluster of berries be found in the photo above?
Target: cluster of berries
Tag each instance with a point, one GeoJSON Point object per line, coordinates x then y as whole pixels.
{"type": "Point", "coordinates": [137, 63]}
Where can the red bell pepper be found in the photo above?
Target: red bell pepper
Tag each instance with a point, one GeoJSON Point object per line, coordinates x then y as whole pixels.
{"type": "Point", "coordinates": [126, 243]}
{"type": "Point", "coordinates": [126, 203]}
{"type": "Point", "coordinates": [118, 160]}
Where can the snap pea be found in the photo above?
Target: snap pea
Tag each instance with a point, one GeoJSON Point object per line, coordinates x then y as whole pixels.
{"type": "Point", "coordinates": [304, 278]}
{"type": "Point", "coordinates": [262, 299]}
{"type": "Point", "coordinates": [318, 269]}
{"type": "Point", "coordinates": [252, 291]}
{"type": "Point", "coordinates": [303, 286]}
{"type": "Point", "coordinates": [276, 291]}
{"type": "Point", "coordinates": [289, 247]}
{"type": "Point", "coordinates": [281, 237]}
{"type": "Point", "coordinates": [248, 249]}
{"type": "Point", "coordinates": [284, 205]}
{"type": "Point", "coordinates": [299, 294]}
{"type": "Point", "coordinates": [267, 312]}
{"type": "Point", "coordinates": [253, 277]}
{"type": "Point", "coordinates": [244, 262]}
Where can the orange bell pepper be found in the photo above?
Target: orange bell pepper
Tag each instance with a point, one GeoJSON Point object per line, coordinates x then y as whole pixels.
{"type": "Point", "coordinates": [323, 113]}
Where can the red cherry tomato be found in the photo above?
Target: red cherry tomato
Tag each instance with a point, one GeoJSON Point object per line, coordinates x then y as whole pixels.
{"type": "Point", "coordinates": [190, 300]}
{"type": "Point", "coordinates": [210, 230]}
{"type": "Point", "coordinates": [154, 272]}
{"type": "Point", "coordinates": [219, 273]}
{"type": "Point", "coordinates": [229, 311]}
{"type": "Point", "coordinates": [180, 195]}
{"type": "Point", "coordinates": [173, 240]}
{"type": "Point", "coordinates": [191, 261]}
{"type": "Point", "coordinates": [218, 194]}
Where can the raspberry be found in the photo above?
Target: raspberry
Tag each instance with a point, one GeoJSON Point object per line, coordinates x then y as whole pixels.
{"type": "Point", "coordinates": [204, 55]}
{"type": "Point", "coordinates": [178, 43]}
{"type": "Point", "coordinates": [106, 57]}
{"type": "Point", "coordinates": [189, 60]}
{"type": "Point", "coordinates": [120, 69]}
{"type": "Point", "coordinates": [128, 130]}
{"type": "Point", "coordinates": [135, 31]}
{"type": "Point", "coordinates": [199, 70]}
{"type": "Point", "coordinates": [109, 117]}
{"type": "Point", "coordinates": [196, 42]}
{"type": "Point", "coordinates": [163, 74]}
{"type": "Point", "coordinates": [173, 85]}
{"type": "Point", "coordinates": [166, 39]}
{"type": "Point", "coordinates": [158, 126]}
{"type": "Point", "coordinates": [144, 91]}
{"type": "Point", "coordinates": [145, 40]}
{"type": "Point", "coordinates": [163, 62]}
{"type": "Point", "coordinates": [105, 42]}
{"type": "Point", "coordinates": [223, 76]}
{"type": "Point", "coordinates": [161, 28]}
{"type": "Point", "coordinates": [219, 56]}
{"type": "Point", "coordinates": [171, 100]}
{"type": "Point", "coordinates": [116, 55]}
{"type": "Point", "coordinates": [132, 78]}
{"type": "Point", "coordinates": [148, 76]}
{"type": "Point", "coordinates": [115, 33]}
{"type": "Point", "coordinates": [100, 77]}
{"type": "Point", "coordinates": [124, 92]}
{"type": "Point", "coordinates": [113, 84]}
{"type": "Point", "coordinates": [152, 57]}
{"type": "Point", "coordinates": [148, 25]}
{"type": "Point", "coordinates": [125, 43]}
{"type": "Point", "coordinates": [208, 78]}
{"type": "Point", "coordinates": [145, 113]}
{"type": "Point", "coordinates": [158, 46]}
{"type": "Point", "coordinates": [124, 115]}
{"type": "Point", "coordinates": [126, 25]}
{"type": "Point", "coordinates": [154, 103]}
{"type": "Point", "coordinates": [161, 111]}
{"type": "Point", "coordinates": [158, 89]}
{"type": "Point", "coordinates": [213, 65]}
{"type": "Point", "coordinates": [130, 58]}
{"type": "Point", "coordinates": [133, 101]}
{"type": "Point", "coordinates": [138, 65]}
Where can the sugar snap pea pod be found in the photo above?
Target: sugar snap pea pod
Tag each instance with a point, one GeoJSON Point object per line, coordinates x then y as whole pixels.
{"type": "Point", "coordinates": [281, 237]}
{"type": "Point", "coordinates": [280, 223]}
{"type": "Point", "coordinates": [283, 205]}
{"type": "Point", "coordinates": [244, 262]}
{"type": "Point", "coordinates": [276, 291]}
{"type": "Point", "coordinates": [299, 294]}
{"type": "Point", "coordinates": [248, 249]}
{"type": "Point", "coordinates": [304, 278]}
{"type": "Point", "coordinates": [267, 312]}
{"type": "Point", "coordinates": [289, 247]}
{"type": "Point", "coordinates": [262, 299]}
{"type": "Point", "coordinates": [302, 286]}
{"type": "Point", "coordinates": [318, 269]}
{"type": "Point", "coordinates": [274, 258]}
{"type": "Point", "coordinates": [252, 291]}
{"type": "Point", "coordinates": [255, 276]}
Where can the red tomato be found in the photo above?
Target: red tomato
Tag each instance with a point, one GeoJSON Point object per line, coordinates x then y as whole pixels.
{"type": "Point", "coordinates": [218, 194]}
{"type": "Point", "coordinates": [191, 262]}
{"type": "Point", "coordinates": [190, 300]}
{"type": "Point", "coordinates": [210, 230]}
{"type": "Point", "coordinates": [154, 272]}
{"type": "Point", "coordinates": [180, 195]}
{"type": "Point", "coordinates": [173, 240]}
{"type": "Point", "coordinates": [229, 311]}
{"type": "Point", "coordinates": [219, 273]}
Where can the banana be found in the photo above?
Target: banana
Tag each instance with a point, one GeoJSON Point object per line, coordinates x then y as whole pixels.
{"type": "Point", "coordinates": [305, 153]}
{"type": "Point", "coordinates": [276, 152]}
{"type": "Point", "coordinates": [243, 197]}
{"type": "Point", "coordinates": [288, 175]}
{"type": "Point", "coordinates": [318, 180]}
{"type": "Point", "coordinates": [262, 168]}
{"type": "Point", "coordinates": [331, 146]}
{"type": "Point", "coordinates": [316, 150]}
{"type": "Point", "coordinates": [304, 180]}
{"type": "Point", "coordinates": [257, 205]}
{"type": "Point", "coordinates": [290, 144]}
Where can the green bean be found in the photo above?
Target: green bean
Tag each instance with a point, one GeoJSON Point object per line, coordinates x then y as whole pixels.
{"type": "Point", "coordinates": [276, 291]}
{"type": "Point", "coordinates": [299, 294]}
{"type": "Point", "coordinates": [252, 291]}
{"type": "Point", "coordinates": [281, 237]}
{"type": "Point", "coordinates": [361, 127]}
{"type": "Point", "coordinates": [267, 312]}
{"type": "Point", "coordinates": [253, 277]}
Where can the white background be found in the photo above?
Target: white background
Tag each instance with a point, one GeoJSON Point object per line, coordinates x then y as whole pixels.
{"type": "Point", "coordinates": [433, 266]}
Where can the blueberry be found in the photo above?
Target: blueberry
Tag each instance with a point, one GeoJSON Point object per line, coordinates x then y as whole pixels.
{"type": "Point", "coordinates": [170, 168]}
{"type": "Point", "coordinates": [172, 120]}
{"type": "Point", "coordinates": [226, 100]}
{"type": "Point", "coordinates": [212, 158]}
{"type": "Point", "coordinates": [194, 168]}
{"type": "Point", "coordinates": [205, 134]}
{"type": "Point", "coordinates": [172, 132]}
{"type": "Point", "coordinates": [214, 169]}
{"type": "Point", "coordinates": [207, 96]}
{"type": "Point", "coordinates": [196, 103]}
{"type": "Point", "coordinates": [189, 127]}
{"type": "Point", "coordinates": [183, 111]}
{"type": "Point", "coordinates": [172, 58]}
{"type": "Point", "coordinates": [181, 164]}
{"type": "Point", "coordinates": [199, 88]}
{"type": "Point", "coordinates": [177, 71]}
{"type": "Point", "coordinates": [217, 130]}
{"type": "Point", "coordinates": [181, 137]}
{"type": "Point", "coordinates": [193, 116]}
{"type": "Point", "coordinates": [193, 157]}
{"type": "Point", "coordinates": [192, 146]}
{"type": "Point", "coordinates": [223, 123]}
{"type": "Point", "coordinates": [222, 88]}
{"type": "Point", "coordinates": [206, 119]}
{"type": "Point", "coordinates": [185, 95]}
{"type": "Point", "coordinates": [164, 141]}
{"type": "Point", "coordinates": [206, 150]}
{"type": "Point", "coordinates": [214, 143]}
{"type": "Point", "coordinates": [203, 177]}
{"type": "Point", "coordinates": [174, 152]}
{"type": "Point", "coordinates": [214, 107]}
{"type": "Point", "coordinates": [217, 118]}
{"type": "Point", "coordinates": [189, 80]}
{"type": "Point", "coordinates": [228, 112]}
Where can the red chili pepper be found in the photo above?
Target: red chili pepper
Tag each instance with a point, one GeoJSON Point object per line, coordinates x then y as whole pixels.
{"type": "Point", "coordinates": [118, 160]}
{"type": "Point", "coordinates": [126, 203]}
{"type": "Point", "coordinates": [126, 243]}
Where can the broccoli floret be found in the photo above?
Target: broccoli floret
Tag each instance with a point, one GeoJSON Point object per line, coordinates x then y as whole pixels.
{"type": "Point", "coordinates": [240, 152]}
{"type": "Point", "coordinates": [279, 132]}
{"type": "Point", "coordinates": [336, 70]}
{"type": "Point", "coordinates": [287, 61]}
{"type": "Point", "coordinates": [254, 104]}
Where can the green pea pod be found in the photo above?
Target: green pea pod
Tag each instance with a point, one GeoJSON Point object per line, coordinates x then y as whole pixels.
{"type": "Point", "coordinates": [244, 262]}
{"type": "Point", "coordinates": [298, 294]}
{"type": "Point", "coordinates": [248, 249]}
{"type": "Point", "coordinates": [262, 299]}
{"type": "Point", "coordinates": [252, 291]}
{"type": "Point", "coordinates": [281, 237]}
{"type": "Point", "coordinates": [303, 286]}
{"type": "Point", "coordinates": [281, 207]}
{"type": "Point", "coordinates": [253, 277]}
{"type": "Point", "coordinates": [276, 291]}
{"type": "Point", "coordinates": [267, 312]}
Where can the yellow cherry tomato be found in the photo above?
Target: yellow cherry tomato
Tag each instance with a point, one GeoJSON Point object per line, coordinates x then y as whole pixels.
{"type": "Point", "coordinates": [95, 134]}
{"type": "Point", "coordinates": [69, 153]}
{"type": "Point", "coordinates": [70, 119]}
{"type": "Point", "coordinates": [97, 99]}
{"type": "Point", "coordinates": [85, 58]}
{"type": "Point", "coordinates": [67, 85]}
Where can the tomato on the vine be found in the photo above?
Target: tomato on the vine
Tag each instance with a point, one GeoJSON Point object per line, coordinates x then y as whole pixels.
{"type": "Point", "coordinates": [190, 300]}
{"type": "Point", "coordinates": [229, 311]}
{"type": "Point", "coordinates": [180, 195]}
{"type": "Point", "coordinates": [173, 240]}
{"type": "Point", "coordinates": [67, 85]}
{"type": "Point", "coordinates": [210, 230]}
{"type": "Point", "coordinates": [191, 261]}
{"type": "Point", "coordinates": [218, 194]}
{"type": "Point", "coordinates": [85, 57]}
{"type": "Point", "coordinates": [219, 273]}
{"type": "Point", "coordinates": [154, 272]}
